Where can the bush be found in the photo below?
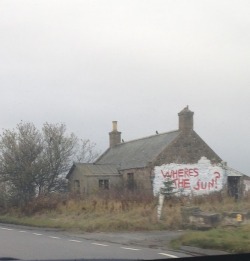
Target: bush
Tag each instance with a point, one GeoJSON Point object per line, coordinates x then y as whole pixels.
{"type": "Point", "coordinates": [43, 204]}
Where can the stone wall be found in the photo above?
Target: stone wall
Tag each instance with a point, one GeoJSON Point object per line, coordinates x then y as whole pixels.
{"type": "Point", "coordinates": [90, 183]}
{"type": "Point", "coordinates": [187, 148]}
{"type": "Point", "coordinates": [142, 178]}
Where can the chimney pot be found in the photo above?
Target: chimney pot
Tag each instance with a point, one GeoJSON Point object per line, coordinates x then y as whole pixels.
{"type": "Point", "coordinates": [114, 123]}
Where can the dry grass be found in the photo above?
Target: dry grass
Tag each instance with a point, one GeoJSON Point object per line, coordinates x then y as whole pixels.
{"type": "Point", "coordinates": [219, 203]}
{"type": "Point", "coordinates": [91, 214]}
{"type": "Point", "coordinates": [114, 212]}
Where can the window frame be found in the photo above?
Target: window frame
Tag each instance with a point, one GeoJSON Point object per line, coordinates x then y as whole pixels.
{"type": "Point", "coordinates": [104, 184]}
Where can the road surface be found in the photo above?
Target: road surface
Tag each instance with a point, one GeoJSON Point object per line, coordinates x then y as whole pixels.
{"type": "Point", "coordinates": [27, 243]}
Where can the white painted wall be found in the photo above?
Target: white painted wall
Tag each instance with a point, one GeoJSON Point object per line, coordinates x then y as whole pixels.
{"type": "Point", "coordinates": [246, 186]}
{"type": "Point", "coordinates": [197, 179]}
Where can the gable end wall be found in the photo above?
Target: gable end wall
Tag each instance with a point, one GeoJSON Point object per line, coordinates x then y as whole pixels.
{"type": "Point", "coordinates": [187, 148]}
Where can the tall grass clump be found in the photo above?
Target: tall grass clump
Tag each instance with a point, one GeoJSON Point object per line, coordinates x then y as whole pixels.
{"type": "Point", "coordinates": [105, 212]}
{"type": "Point", "coordinates": [115, 211]}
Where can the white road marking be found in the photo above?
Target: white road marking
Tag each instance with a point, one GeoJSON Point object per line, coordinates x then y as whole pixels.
{"type": "Point", "coordinates": [78, 241]}
{"type": "Point", "coordinates": [165, 254]}
{"type": "Point", "coordinates": [72, 240]}
{"type": "Point", "coordinates": [37, 234]}
{"type": "Point", "coordinates": [97, 244]}
{"type": "Point", "coordinates": [128, 248]}
{"type": "Point", "coordinates": [4, 228]}
{"type": "Point", "coordinates": [55, 237]}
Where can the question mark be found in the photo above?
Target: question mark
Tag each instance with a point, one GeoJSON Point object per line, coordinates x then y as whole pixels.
{"type": "Point", "coordinates": [217, 176]}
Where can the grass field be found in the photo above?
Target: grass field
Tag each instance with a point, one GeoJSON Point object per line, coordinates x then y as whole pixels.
{"type": "Point", "coordinates": [102, 214]}
{"type": "Point", "coordinates": [230, 239]}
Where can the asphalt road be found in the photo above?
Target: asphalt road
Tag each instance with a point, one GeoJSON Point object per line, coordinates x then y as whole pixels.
{"type": "Point", "coordinates": [27, 243]}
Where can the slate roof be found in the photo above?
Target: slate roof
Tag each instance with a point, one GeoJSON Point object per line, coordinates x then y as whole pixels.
{"type": "Point", "coordinates": [94, 169]}
{"type": "Point", "coordinates": [137, 153]}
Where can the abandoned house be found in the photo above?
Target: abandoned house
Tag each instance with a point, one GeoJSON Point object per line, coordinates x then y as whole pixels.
{"type": "Point", "coordinates": [144, 164]}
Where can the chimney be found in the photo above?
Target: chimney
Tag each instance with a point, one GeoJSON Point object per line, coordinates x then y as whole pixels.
{"type": "Point", "coordinates": [186, 120]}
{"type": "Point", "coordinates": [114, 136]}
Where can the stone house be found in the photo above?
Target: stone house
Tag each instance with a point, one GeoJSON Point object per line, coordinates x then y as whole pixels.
{"type": "Point", "coordinates": [238, 184]}
{"type": "Point", "coordinates": [144, 164]}
{"type": "Point", "coordinates": [87, 178]}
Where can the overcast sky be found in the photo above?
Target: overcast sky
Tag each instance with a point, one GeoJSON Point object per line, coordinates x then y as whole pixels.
{"type": "Point", "coordinates": [86, 63]}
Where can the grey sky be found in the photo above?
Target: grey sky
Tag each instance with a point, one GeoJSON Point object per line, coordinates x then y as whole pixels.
{"type": "Point", "coordinates": [86, 63]}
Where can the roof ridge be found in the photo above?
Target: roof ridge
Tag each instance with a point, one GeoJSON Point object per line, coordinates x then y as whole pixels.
{"type": "Point", "coordinates": [155, 135]}
{"type": "Point", "coordinates": [92, 163]}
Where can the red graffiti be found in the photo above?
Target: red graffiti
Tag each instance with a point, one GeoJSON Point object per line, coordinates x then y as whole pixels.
{"type": "Point", "coordinates": [204, 185]}
{"type": "Point", "coordinates": [207, 185]}
{"type": "Point", "coordinates": [180, 173]}
{"type": "Point", "coordinates": [181, 179]}
{"type": "Point", "coordinates": [182, 183]}
{"type": "Point", "coordinates": [217, 176]}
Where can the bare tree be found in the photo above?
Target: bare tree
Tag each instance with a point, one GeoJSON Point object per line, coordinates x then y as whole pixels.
{"type": "Point", "coordinates": [59, 150]}
{"type": "Point", "coordinates": [34, 162]}
{"type": "Point", "coordinates": [19, 152]}
{"type": "Point", "coordinates": [86, 152]}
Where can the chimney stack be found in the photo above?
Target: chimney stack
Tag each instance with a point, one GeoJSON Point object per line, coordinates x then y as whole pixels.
{"type": "Point", "coordinates": [114, 136]}
{"type": "Point", "coordinates": [186, 120]}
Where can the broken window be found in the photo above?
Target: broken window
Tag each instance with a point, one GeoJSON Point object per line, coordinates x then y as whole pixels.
{"type": "Point", "coordinates": [103, 183]}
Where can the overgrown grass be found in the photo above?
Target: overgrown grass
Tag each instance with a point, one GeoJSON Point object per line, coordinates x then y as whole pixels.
{"type": "Point", "coordinates": [134, 212]}
{"type": "Point", "coordinates": [233, 240]}
{"type": "Point", "coordinates": [95, 214]}
{"type": "Point", "coordinates": [30, 221]}
{"type": "Point", "coordinates": [230, 239]}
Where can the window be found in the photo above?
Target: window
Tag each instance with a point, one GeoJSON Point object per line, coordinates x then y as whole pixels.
{"type": "Point", "coordinates": [130, 181]}
{"type": "Point", "coordinates": [130, 176]}
{"type": "Point", "coordinates": [233, 186]}
{"type": "Point", "coordinates": [103, 183]}
{"type": "Point", "coordinates": [77, 186]}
